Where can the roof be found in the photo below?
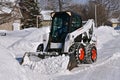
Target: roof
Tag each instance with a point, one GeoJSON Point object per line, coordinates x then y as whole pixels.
{"type": "Point", "coordinates": [6, 10]}
{"type": "Point", "coordinates": [114, 20]}
{"type": "Point", "coordinates": [7, 0]}
{"type": "Point", "coordinates": [46, 14]}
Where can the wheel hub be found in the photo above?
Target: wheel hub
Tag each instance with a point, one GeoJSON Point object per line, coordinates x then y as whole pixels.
{"type": "Point", "coordinates": [94, 54]}
{"type": "Point", "coordinates": [81, 54]}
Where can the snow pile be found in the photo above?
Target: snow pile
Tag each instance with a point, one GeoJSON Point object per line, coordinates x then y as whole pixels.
{"type": "Point", "coordinates": [112, 58]}
{"type": "Point", "coordinates": [22, 41]}
{"type": "Point", "coordinates": [9, 67]}
{"type": "Point", "coordinates": [20, 47]}
{"type": "Point", "coordinates": [48, 66]}
{"type": "Point", "coordinates": [7, 41]}
{"type": "Point", "coordinates": [105, 34]}
{"type": "Point", "coordinates": [37, 35]}
{"type": "Point", "coordinates": [16, 43]}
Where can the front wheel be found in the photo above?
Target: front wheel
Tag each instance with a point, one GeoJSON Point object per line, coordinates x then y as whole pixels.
{"type": "Point", "coordinates": [72, 60]}
{"type": "Point", "coordinates": [80, 53]}
{"type": "Point", "coordinates": [40, 48]}
{"type": "Point", "coordinates": [77, 55]}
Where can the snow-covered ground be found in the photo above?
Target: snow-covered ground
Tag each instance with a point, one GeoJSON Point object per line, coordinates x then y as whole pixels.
{"type": "Point", "coordinates": [16, 43]}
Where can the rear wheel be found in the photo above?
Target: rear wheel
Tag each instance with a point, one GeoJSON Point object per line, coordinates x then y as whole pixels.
{"type": "Point", "coordinates": [91, 54]}
{"type": "Point", "coordinates": [94, 54]}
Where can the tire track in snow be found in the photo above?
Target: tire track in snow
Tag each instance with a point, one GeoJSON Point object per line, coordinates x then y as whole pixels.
{"type": "Point", "coordinates": [85, 67]}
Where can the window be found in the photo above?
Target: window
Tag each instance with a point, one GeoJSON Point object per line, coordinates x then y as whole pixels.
{"type": "Point", "coordinates": [76, 23]}
{"type": "Point", "coordinates": [59, 27]}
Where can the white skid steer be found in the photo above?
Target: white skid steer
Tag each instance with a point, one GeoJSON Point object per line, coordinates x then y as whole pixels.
{"type": "Point", "coordinates": [69, 37]}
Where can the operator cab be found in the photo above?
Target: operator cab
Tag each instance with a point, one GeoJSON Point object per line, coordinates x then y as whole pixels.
{"type": "Point", "coordinates": [62, 24]}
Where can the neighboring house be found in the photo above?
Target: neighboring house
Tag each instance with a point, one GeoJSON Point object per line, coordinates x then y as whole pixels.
{"type": "Point", "coordinates": [46, 17]}
{"type": "Point", "coordinates": [10, 18]}
{"type": "Point", "coordinates": [17, 15]}
{"type": "Point", "coordinates": [115, 22]}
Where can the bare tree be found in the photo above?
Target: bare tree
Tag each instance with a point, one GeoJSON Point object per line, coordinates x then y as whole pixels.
{"type": "Point", "coordinates": [101, 12]}
{"type": "Point", "coordinates": [87, 11]}
{"type": "Point", "coordinates": [110, 5]}
{"type": "Point", "coordinates": [58, 5]}
{"type": "Point", "coordinates": [116, 14]}
{"type": "Point", "coordinates": [106, 9]}
{"type": "Point", "coordinates": [11, 14]}
{"type": "Point", "coordinates": [79, 9]}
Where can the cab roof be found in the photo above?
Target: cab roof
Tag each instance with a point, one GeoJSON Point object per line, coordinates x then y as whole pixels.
{"type": "Point", "coordinates": [65, 12]}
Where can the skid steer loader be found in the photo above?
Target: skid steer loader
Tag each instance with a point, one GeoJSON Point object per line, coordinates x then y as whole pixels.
{"type": "Point", "coordinates": [68, 36]}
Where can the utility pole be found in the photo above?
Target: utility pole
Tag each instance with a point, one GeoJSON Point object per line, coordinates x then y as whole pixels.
{"type": "Point", "coordinates": [95, 15]}
{"type": "Point", "coordinates": [60, 5]}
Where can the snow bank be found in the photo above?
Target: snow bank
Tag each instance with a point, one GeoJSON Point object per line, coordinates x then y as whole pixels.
{"type": "Point", "coordinates": [9, 67]}
{"type": "Point", "coordinates": [22, 41]}
{"type": "Point", "coordinates": [20, 47]}
{"type": "Point", "coordinates": [105, 34]}
{"type": "Point", "coordinates": [15, 43]}
{"type": "Point", "coordinates": [7, 41]}
{"type": "Point", "coordinates": [37, 35]}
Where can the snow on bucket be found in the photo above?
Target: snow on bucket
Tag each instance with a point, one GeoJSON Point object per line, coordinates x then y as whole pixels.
{"type": "Point", "coordinates": [48, 66]}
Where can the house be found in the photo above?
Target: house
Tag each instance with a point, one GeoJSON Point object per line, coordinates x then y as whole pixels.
{"type": "Point", "coordinates": [46, 17]}
{"type": "Point", "coordinates": [9, 16]}
{"type": "Point", "coordinates": [115, 22]}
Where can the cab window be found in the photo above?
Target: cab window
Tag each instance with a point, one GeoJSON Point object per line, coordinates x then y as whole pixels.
{"type": "Point", "coordinates": [75, 23]}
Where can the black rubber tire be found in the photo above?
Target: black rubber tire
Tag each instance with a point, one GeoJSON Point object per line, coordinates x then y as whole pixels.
{"type": "Point", "coordinates": [74, 55]}
{"type": "Point", "coordinates": [89, 54]}
{"type": "Point", "coordinates": [40, 48]}
{"type": "Point", "coordinates": [80, 46]}
{"type": "Point", "coordinates": [72, 60]}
